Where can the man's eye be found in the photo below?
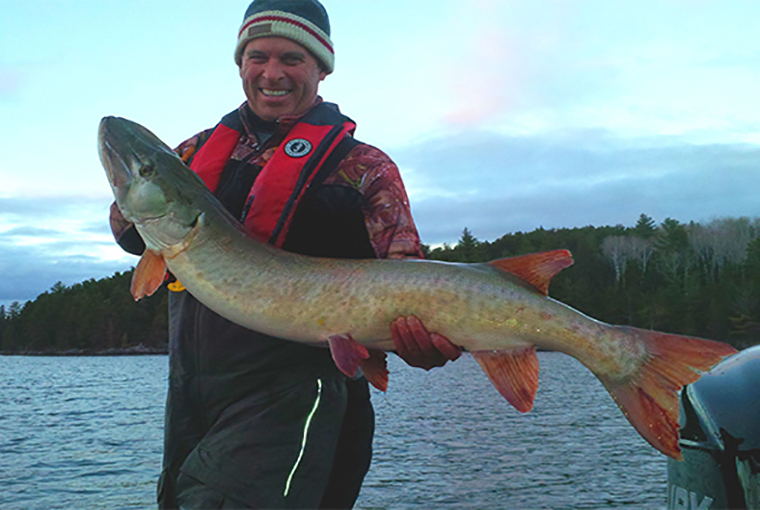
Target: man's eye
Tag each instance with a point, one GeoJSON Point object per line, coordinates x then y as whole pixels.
{"type": "Point", "coordinates": [292, 60]}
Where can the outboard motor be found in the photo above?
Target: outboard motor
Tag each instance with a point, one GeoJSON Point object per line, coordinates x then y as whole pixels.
{"type": "Point", "coordinates": [720, 438]}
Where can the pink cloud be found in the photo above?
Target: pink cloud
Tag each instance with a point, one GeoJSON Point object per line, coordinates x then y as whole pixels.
{"type": "Point", "coordinates": [487, 79]}
{"type": "Point", "coordinates": [509, 59]}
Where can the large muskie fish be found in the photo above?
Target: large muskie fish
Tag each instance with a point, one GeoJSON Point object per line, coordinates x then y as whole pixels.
{"type": "Point", "coordinates": [499, 311]}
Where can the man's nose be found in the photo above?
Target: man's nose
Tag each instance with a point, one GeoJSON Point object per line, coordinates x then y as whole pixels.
{"type": "Point", "coordinates": [273, 70]}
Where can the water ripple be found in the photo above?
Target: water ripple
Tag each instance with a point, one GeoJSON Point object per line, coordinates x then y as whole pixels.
{"type": "Point", "coordinates": [447, 439]}
{"type": "Point", "coordinates": [86, 433]}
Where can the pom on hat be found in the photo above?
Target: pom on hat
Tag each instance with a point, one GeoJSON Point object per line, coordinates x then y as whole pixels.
{"type": "Point", "coordinates": [302, 21]}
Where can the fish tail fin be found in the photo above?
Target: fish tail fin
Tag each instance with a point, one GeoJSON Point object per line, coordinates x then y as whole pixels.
{"type": "Point", "coordinates": [649, 397]}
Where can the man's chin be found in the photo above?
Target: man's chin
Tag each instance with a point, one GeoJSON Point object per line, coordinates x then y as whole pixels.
{"type": "Point", "coordinates": [271, 113]}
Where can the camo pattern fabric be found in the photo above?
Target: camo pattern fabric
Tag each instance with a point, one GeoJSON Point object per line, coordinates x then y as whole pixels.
{"type": "Point", "coordinates": [367, 169]}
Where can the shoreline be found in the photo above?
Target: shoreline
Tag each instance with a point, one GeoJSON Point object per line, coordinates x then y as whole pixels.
{"type": "Point", "coordinates": [138, 350]}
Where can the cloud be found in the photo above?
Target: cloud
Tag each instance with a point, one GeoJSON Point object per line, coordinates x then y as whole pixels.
{"type": "Point", "coordinates": [48, 207]}
{"type": "Point", "coordinates": [44, 241]}
{"type": "Point", "coordinates": [29, 270]}
{"type": "Point", "coordinates": [28, 231]}
{"type": "Point", "coordinates": [496, 184]}
{"type": "Point", "coordinates": [489, 83]}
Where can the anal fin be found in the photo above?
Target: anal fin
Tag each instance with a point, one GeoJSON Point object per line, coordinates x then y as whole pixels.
{"type": "Point", "coordinates": [514, 373]}
{"type": "Point", "coordinates": [149, 275]}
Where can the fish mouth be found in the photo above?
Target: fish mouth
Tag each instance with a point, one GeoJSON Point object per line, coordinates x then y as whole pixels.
{"type": "Point", "coordinates": [193, 223]}
{"type": "Point", "coordinates": [119, 175]}
{"type": "Point", "coordinates": [111, 153]}
{"type": "Point", "coordinates": [150, 219]}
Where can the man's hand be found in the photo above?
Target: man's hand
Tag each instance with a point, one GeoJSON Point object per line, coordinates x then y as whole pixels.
{"type": "Point", "coordinates": [420, 348]}
{"type": "Point", "coordinates": [125, 232]}
{"type": "Point", "coordinates": [119, 224]}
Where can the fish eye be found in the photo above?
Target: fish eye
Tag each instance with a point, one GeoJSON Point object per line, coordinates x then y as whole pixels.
{"type": "Point", "coordinates": [147, 170]}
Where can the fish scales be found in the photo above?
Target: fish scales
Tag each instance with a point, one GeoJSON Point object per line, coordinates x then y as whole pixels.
{"type": "Point", "coordinates": [318, 297]}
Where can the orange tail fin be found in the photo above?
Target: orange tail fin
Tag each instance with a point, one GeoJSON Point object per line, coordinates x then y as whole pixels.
{"type": "Point", "coordinates": [649, 398]}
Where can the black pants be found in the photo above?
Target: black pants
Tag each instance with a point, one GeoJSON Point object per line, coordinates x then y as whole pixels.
{"type": "Point", "coordinates": [308, 446]}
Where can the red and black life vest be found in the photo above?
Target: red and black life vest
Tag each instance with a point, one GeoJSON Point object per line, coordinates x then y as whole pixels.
{"type": "Point", "coordinates": [308, 152]}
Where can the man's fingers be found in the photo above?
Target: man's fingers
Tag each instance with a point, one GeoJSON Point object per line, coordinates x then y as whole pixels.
{"type": "Point", "coordinates": [403, 336]}
{"type": "Point", "coordinates": [422, 339]}
{"type": "Point", "coordinates": [420, 348]}
{"type": "Point", "coordinates": [446, 348]}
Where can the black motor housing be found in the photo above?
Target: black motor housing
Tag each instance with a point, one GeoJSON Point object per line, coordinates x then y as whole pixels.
{"type": "Point", "coordinates": [720, 438]}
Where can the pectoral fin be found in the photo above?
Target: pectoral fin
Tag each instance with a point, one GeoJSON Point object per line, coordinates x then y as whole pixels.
{"type": "Point", "coordinates": [149, 275]}
{"type": "Point", "coordinates": [514, 373]}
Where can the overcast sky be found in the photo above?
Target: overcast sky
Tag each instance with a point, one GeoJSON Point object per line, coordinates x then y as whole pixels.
{"type": "Point", "coordinates": [503, 115]}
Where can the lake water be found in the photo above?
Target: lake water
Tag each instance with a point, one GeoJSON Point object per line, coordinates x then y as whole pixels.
{"type": "Point", "coordinates": [86, 432]}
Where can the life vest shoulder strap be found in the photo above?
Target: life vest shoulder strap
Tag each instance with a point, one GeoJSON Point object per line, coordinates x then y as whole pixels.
{"type": "Point", "coordinates": [306, 156]}
{"type": "Point", "coordinates": [209, 159]}
{"type": "Point", "coordinates": [291, 171]}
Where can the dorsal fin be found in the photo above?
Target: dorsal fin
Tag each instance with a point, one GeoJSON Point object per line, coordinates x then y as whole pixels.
{"type": "Point", "coordinates": [536, 269]}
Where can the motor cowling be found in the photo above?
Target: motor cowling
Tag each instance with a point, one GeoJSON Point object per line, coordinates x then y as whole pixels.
{"type": "Point", "coordinates": [720, 438]}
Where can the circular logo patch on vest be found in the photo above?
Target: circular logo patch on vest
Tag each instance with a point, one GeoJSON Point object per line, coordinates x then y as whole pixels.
{"type": "Point", "coordinates": [297, 148]}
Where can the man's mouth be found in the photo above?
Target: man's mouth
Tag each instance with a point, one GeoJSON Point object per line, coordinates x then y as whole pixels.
{"type": "Point", "coordinates": [274, 93]}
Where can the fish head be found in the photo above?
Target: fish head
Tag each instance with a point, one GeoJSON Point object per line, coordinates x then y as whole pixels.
{"type": "Point", "coordinates": [153, 187]}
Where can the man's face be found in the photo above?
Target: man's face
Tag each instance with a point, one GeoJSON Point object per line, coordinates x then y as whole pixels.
{"type": "Point", "coordinates": [280, 77]}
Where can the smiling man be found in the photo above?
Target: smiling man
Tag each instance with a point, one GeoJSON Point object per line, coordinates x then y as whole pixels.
{"type": "Point", "coordinates": [280, 77]}
{"type": "Point", "coordinates": [252, 420]}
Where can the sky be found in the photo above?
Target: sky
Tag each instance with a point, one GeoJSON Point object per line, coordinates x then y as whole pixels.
{"type": "Point", "coordinates": [502, 115]}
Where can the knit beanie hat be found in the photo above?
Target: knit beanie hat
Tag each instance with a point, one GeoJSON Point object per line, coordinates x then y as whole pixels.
{"type": "Point", "coordinates": [302, 21]}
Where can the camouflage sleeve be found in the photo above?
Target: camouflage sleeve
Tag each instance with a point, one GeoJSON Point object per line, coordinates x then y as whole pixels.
{"type": "Point", "coordinates": [189, 147]}
{"type": "Point", "coordinates": [387, 215]}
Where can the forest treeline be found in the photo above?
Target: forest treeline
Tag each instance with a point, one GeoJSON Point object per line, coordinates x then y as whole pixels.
{"type": "Point", "coordinates": [91, 317]}
{"type": "Point", "coordinates": [692, 279]}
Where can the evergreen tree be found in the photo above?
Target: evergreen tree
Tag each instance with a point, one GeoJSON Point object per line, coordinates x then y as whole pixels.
{"type": "Point", "coordinates": [645, 228]}
{"type": "Point", "coordinates": [467, 247]}
{"type": "Point", "coordinates": [2, 325]}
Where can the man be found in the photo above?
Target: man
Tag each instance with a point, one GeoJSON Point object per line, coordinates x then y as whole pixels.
{"type": "Point", "coordinates": [256, 421]}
